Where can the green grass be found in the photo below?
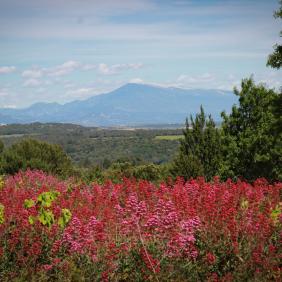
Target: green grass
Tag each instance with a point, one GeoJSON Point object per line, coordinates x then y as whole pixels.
{"type": "Point", "coordinates": [169, 137]}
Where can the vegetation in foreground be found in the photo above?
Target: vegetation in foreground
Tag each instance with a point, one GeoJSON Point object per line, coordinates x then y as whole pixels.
{"type": "Point", "coordinates": [137, 231]}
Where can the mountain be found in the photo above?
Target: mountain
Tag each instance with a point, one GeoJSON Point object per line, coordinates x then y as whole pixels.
{"type": "Point", "coordinates": [131, 104]}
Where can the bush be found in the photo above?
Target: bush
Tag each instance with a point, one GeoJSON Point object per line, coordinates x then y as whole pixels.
{"type": "Point", "coordinates": [34, 154]}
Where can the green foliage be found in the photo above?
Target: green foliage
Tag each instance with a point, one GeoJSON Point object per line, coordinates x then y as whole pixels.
{"type": "Point", "coordinates": [2, 182]}
{"type": "Point", "coordinates": [29, 203]}
{"type": "Point", "coordinates": [200, 150]}
{"type": "Point", "coordinates": [34, 154]}
{"type": "Point", "coordinates": [187, 166]}
{"type": "Point", "coordinates": [275, 59]}
{"type": "Point", "coordinates": [45, 199]}
{"type": "Point", "coordinates": [91, 174]}
{"type": "Point", "coordinates": [150, 172]}
{"type": "Point", "coordinates": [64, 218]}
{"type": "Point", "coordinates": [45, 215]}
{"type": "Point", "coordinates": [251, 138]}
{"type": "Point", "coordinates": [2, 218]}
{"type": "Point", "coordinates": [118, 170]}
{"type": "Point", "coordinates": [275, 214]}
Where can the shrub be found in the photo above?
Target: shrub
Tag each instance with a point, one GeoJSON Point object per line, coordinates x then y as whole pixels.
{"type": "Point", "coordinates": [33, 154]}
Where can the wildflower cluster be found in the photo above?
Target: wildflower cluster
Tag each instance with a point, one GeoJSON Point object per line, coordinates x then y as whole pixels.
{"type": "Point", "coordinates": [136, 231]}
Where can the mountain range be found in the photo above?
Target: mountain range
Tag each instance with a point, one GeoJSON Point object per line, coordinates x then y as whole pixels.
{"type": "Point", "coordinates": [129, 105]}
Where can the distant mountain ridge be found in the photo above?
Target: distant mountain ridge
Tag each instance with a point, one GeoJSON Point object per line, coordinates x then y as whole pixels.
{"type": "Point", "coordinates": [131, 104]}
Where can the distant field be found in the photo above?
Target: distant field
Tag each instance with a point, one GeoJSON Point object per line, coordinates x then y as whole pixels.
{"type": "Point", "coordinates": [169, 137]}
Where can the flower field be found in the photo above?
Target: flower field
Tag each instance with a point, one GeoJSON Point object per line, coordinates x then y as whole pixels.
{"type": "Point", "coordinates": [137, 231]}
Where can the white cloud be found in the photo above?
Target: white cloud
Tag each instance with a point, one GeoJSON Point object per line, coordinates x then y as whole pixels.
{"type": "Point", "coordinates": [32, 82]}
{"type": "Point", "coordinates": [136, 80]}
{"type": "Point", "coordinates": [56, 71]}
{"type": "Point", "coordinates": [115, 69]}
{"type": "Point", "coordinates": [32, 73]}
{"type": "Point", "coordinates": [63, 69]}
{"type": "Point", "coordinates": [272, 79]}
{"type": "Point", "coordinates": [104, 69]}
{"type": "Point", "coordinates": [9, 106]}
{"type": "Point", "coordinates": [70, 66]}
{"type": "Point", "coordinates": [7, 69]}
{"type": "Point", "coordinates": [87, 67]}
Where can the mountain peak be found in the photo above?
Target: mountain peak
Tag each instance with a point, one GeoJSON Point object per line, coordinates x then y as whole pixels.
{"type": "Point", "coordinates": [131, 104]}
{"type": "Point", "coordinates": [136, 88]}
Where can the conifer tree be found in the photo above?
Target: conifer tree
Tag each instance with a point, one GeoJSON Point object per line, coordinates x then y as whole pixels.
{"type": "Point", "coordinates": [200, 150]}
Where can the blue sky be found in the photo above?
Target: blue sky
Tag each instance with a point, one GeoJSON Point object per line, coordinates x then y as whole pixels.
{"type": "Point", "coordinates": [63, 50]}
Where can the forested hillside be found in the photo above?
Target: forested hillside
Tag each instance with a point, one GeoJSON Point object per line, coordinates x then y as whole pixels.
{"type": "Point", "coordinates": [88, 146]}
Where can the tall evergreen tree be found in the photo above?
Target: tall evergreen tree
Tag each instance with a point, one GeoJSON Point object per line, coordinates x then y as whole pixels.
{"type": "Point", "coordinates": [200, 150]}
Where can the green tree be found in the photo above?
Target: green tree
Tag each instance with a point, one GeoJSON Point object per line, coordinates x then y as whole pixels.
{"type": "Point", "coordinates": [34, 154]}
{"type": "Point", "coordinates": [200, 149]}
{"type": "Point", "coordinates": [275, 59]}
{"type": "Point", "coordinates": [251, 138]}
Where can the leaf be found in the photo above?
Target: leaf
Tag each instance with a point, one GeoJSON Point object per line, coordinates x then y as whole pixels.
{"type": "Point", "coordinates": [2, 182]}
{"type": "Point", "coordinates": [28, 203]}
{"type": "Point", "coordinates": [46, 217]}
{"type": "Point", "coordinates": [65, 218]}
{"type": "Point", "coordinates": [31, 220]}
{"type": "Point", "coordinates": [275, 214]}
{"type": "Point", "coordinates": [46, 198]}
{"type": "Point", "coordinates": [2, 219]}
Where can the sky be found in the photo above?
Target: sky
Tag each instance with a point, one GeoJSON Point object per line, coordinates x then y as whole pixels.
{"type": "Point", "coordinates": [65, 50]}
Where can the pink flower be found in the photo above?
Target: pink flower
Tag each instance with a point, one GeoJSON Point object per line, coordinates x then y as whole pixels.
{"type": "Point", "coordinates": [47, 267]}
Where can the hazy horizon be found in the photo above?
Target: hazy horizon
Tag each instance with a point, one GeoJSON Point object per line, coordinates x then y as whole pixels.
{"type": "Point", "coordinates": [117, 88]}
{"type": "Point", "coordinates": [60, 51]}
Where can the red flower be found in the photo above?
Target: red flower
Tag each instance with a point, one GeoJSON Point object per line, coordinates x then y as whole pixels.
{"type": "Point", "coordinates": [211, 258]}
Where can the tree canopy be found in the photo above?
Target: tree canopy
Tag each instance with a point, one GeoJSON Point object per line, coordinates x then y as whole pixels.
{"type": "Point", "coordinates": [275, 59]}
{"type": "Point", "coordinates": [252, 134]}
